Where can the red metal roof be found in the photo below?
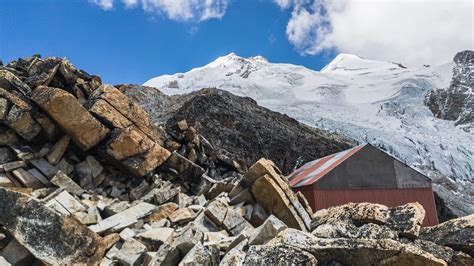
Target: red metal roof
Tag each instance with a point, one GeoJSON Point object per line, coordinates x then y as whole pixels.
{"type": "Point", "coordinates": [314, 170]}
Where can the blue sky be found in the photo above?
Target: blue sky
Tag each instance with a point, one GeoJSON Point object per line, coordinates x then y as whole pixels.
{"type": "Point", "coordinates": [125, 45]}
{"type": "Point", "coordinates": [130, 41]}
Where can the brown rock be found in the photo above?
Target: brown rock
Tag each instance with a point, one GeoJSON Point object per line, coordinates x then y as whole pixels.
{"type": "Point", "coordinates": [182, 215]}
{"type": "Point", "coordinates": [122, 104]}
{"type": "Point", "coordinates": [216, 211]}
{"type": "Point", "coordinates": [274, 201]}
{"type": "Point", "coordinates": [57, 152]}
{"type": "Point", "coordinates": [163, 212]}
{"type": "Point", "coordinates": [143, 164]}
{"type": "Point", "coordinates": [7, 137]}
{"type": "Point", "coordinates": [50, 130]}
{"type": "Point", "coordinates": [128, 142]}
{"type": "Point", "coordinates": [85, 130]}
{"type": "Point", "coordinates": [108, 115]}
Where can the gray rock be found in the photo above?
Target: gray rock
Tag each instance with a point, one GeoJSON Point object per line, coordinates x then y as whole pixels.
{"type": "Point", "coordinates": [356, 251]}
{"type": "Point", "coordinates": [131, 253]}
{"type": "Point", "coordinates": [15, 254]}
{"type": "Point", "coordinates": [65, 182]}
{"type": "Point", "coordinates": [124, 219]}
{"type": "Point", "coordinates": [45, 167]}
{"type": "Point", "coordinates": [268, 230]}
{"type": "Point", "coordinates": [156, 237]}
{"type": "Point", "coordinates": [201, 255]}
{"type": "Point", "coordinates": [278, 255]}
{"type": "Point", "coordinates": [166, 255]}
{"type": "Point", "coordinates": [37, 228]}
{"type": "Point", "coordinates": [216, 211]}
{"type": "Point", "coordinates": [457, 234]}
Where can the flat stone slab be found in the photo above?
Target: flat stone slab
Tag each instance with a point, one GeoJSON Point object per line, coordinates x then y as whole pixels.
{"type": "Point", "coordinates": [126, 218]}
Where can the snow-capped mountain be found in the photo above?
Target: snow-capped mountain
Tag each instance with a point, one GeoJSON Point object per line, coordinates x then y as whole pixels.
{"type": "Point", "coordinates": [370, 101]}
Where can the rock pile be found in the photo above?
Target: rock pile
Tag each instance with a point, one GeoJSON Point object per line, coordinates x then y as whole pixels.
{"type": "Point", "coordinates": [86, 178]}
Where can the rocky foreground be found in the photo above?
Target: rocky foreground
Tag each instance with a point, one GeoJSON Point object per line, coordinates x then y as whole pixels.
{"type": "Point", "coordinates": [86, 178]}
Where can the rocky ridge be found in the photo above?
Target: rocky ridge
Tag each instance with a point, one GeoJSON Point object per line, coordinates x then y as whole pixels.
{"type": "Point", "coordinates": [86, 178]}
{"type": "Point", "coordinates": [239, 127]}
{"type": "Point", "coordinates": [457, 101]}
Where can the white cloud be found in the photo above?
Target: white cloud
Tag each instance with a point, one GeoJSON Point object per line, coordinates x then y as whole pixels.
{"type": "Point", "coordinates": [412, 32]}
{"type": "Point", "coordinates": [284, 4]}
{"type": "Point", "coordinates": [104, 4]}
{"type": "Point", "coordinates": [130, 3]}
{"type": "Point", "coordinates": [180, 10]}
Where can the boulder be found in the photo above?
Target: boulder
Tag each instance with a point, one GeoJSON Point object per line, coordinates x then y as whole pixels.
{"type": "Point", "coordinates": [122, 104]}
{"type": "Point", "coordinates": [85, 130]}
{"type": "Point", "coordinates": [108, 115]}
{"type": "Point", "coordinates": [348, 220]}
{"type": "Point", "coordinates": [457, 234]}
{"type": "Point", "coordinates": [407, 219]}
{"type": "Point", "coordinates": [145, 163]}
{"type": "Point", "coordinates": [357, 251]}
{"type": "Point", "coordinates": [268, 230]}
{"type": "Point", "coordinates": [127, 142]}
{"type": "Point", "coordinates": [274, 201]}
{"type": "Point", "coordinates": [131, 253]}
{"type": "Point", "coordinates": [156, 237]}
{"type": "Point", "coordinates": [278, 255]}
{"type": "Point", "coordinates": [50, 237]}
{"type": "Point", "coordinates": [166, 255]}
{"type": "Point", "coordinates": [201, 255]}
{"type": "Point", "coordinates": [182, 215]}
{"type": "Point", "coordinates": [216, 211]}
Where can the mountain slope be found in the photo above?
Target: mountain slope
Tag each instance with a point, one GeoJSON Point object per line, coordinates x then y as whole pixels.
{"type": "Point", "coordinates": [370, 101]}
{"type": "Point", "coordinates": [244, 130]}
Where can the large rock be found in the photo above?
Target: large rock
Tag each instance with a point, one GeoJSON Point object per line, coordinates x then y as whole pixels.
{"type": "Point", "coordinates": [268, 230]}
{"type": "Point", "coordinates": [85, 130]}
{"type": "Point", "coordinates": [127, 142]}
{"type": "Point", "coordinates": [457, 234]}
{"type": "Point", "coordinates": [122, 104]}
{"type": "Point", "coordinates": [201, 255]}
{"type": "Point", "coordinates": [274, 200]}
{"type": "Point", "coordinates": [278, 255]}
{"type": "Point", "coordinates": [52, 238]}
{"type": "Point", "coordinates": [357, 251]}
{"type": "Point", "coordinates": [371, 220]}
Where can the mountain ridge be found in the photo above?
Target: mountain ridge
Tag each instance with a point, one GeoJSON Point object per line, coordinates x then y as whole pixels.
{"type": "Point", "coordinates": [381, 103]}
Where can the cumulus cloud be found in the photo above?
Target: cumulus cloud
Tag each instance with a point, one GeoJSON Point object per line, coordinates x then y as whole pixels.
{"type": "Point", "coordinates": [413, 32]}
{"type": "Point", "coordinates": [104, 4]}
{"type": "Point", "coordinates": [179, 10]}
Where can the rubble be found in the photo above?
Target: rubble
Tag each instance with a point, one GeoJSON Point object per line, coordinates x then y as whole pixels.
{"type": "Point", "coordinates": [87, 178]}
